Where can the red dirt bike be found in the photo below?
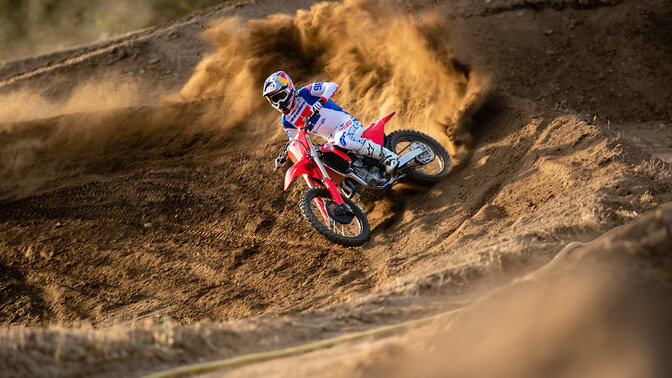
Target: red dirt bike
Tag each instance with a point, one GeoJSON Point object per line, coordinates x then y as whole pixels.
{"type": "Point", "coordinates": [335, 175]}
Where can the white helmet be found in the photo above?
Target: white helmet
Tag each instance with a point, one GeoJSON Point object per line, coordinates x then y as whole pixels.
{"type": "Point", "coordinates": [280, 92]}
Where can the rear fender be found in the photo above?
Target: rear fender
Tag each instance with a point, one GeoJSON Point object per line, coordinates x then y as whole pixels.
{"type": "Point", "coordinates": [376, 131]}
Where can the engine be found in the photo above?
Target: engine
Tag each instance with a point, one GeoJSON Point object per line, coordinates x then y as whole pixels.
{"type": "Point", "coordinates": [368, 170]}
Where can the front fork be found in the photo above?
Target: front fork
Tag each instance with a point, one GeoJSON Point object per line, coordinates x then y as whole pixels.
{"type": "Point", "coordinates": [326, 180]}
{"type": "Point", "coordinates": [320, 203]}
{"type": "Point", "coordinates": [331, 186]}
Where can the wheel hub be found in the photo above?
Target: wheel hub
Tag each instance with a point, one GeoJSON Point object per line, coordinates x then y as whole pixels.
{"type": "Point", "coordinates": [341, 213]}
{"type": "Point", "coordinates": [426, 156]}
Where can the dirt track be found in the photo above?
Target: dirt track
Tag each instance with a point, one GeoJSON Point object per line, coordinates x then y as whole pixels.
{"type": "Point", "coordinates": [131, 217]}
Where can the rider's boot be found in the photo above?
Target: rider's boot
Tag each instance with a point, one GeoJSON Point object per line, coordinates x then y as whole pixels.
{"type": "Point", "coordinates": [386, 157]}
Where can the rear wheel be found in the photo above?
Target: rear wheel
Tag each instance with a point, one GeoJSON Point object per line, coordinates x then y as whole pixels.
{"type": "Point", "coordinates": [319, 209]}
{"type": "Point", "coordinates": [433, 162]}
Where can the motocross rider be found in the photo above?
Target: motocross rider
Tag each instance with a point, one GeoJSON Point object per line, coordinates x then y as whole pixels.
{"type": "Point", "coordinates": [331, 122]}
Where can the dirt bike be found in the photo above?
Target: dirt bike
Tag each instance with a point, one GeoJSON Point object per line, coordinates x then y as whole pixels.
{"type": "Point", "coordinates": [334, 176]}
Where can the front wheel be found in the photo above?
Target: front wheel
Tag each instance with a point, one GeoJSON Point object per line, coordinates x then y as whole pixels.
{"type": "Point", "coordinates": [317, 207]}
{"type": "Point", "coordinates": [432, 164]}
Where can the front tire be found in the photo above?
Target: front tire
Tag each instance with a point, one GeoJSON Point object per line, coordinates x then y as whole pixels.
{"type": "Point", "coordinates": [353, 234]}
{"type": "Point", "coordinates": [438, 160]}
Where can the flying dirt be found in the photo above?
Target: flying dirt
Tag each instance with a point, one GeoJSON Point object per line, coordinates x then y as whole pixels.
{"type": "Point", "coordinates": [142, 226]}
{"type": "Point", "coordinates": [401, 65]}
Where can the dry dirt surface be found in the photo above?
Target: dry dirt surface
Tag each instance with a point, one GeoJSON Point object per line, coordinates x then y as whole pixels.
{"type": "Point", "coordinates": [142, 226]}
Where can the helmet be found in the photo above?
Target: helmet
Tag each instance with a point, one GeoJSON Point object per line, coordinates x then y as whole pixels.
{"type": "Point", "coordinates": [280, 92]}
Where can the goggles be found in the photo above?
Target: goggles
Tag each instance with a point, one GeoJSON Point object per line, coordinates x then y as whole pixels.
{"type": "Point", "coordinates": [279, 96]}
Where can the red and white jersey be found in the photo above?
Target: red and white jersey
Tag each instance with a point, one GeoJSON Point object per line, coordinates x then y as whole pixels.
{"type": "Point", "coordinates": [330, 119]}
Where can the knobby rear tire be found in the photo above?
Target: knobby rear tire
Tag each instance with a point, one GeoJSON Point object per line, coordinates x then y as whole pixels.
{"type": "Point", "coordinates": [416, 175]}
{"type": "Point", "coordinates": [318, 223]}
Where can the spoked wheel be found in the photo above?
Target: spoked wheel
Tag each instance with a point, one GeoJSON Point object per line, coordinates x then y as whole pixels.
{"type": "Point", "coordinates": [433, 162]}
{"type": "Point", "coordinates": [343, 225]}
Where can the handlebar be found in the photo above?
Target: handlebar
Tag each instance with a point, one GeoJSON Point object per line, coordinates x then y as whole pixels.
{"type": "Point", "coordinates": [306, 122]}
{"type": "Point", "coordinates": [309, 119]}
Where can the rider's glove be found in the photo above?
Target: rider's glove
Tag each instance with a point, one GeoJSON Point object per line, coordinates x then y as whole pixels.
{"type": "Point", "coordinates": [280, 161]}
{"type": "Point", "coordinates": [318, 105]}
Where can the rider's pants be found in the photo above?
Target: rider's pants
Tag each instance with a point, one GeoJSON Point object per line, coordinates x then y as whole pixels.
{"type": "Point", "coordinates": [349, 135]}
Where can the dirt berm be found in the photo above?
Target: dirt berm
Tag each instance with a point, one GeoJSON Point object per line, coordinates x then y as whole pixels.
{"type": "Point", "coordinates": [142, 226]}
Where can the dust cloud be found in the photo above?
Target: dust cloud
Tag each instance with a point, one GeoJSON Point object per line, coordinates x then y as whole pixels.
{"type": "Point", "coordinates": [116, 91]}
{"type": "Point", "coordinates": [383, 60]}
{"type": "Point", "coordinates": [36, 136]}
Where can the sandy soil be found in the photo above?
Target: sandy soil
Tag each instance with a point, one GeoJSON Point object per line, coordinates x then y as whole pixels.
{"type": "Point", "coordinates": [142, 226]}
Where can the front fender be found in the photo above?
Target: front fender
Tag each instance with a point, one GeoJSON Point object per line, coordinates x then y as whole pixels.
{"type": "Point", "coordinates": [303, 167]}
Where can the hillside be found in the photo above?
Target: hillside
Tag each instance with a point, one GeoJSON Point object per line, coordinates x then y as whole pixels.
{"type": "Point", "coordinates": [142, 226]}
